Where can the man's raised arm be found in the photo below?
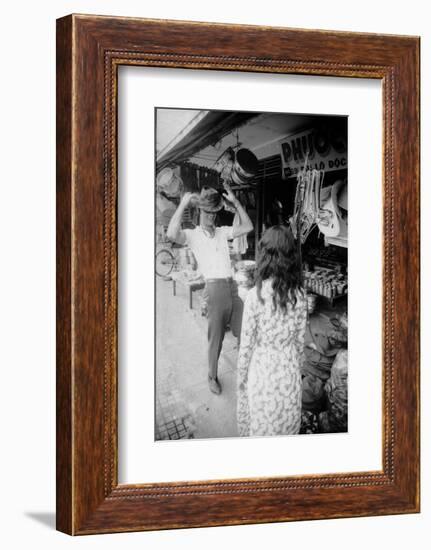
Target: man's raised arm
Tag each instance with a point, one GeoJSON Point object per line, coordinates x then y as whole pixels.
{"type": "Point", "coordinates": [245, 224]}
{"type": "Point", "coordinates": [174, 232]}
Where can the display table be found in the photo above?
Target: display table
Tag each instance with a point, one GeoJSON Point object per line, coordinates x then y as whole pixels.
{"type": "Point", "coordinates": [190, 285]}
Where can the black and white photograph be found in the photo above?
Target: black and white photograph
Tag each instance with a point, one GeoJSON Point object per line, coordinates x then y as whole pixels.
{"type": "Point", "coordinates": [251, 274]}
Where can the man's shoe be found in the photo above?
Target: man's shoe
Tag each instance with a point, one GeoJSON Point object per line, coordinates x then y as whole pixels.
{"type": "Point", "coordinates": [214, 385]}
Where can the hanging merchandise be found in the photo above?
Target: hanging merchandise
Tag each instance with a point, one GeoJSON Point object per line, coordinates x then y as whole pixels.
{"type": "Point", "coordinates": [245, 166]}
{"type": "Point", "coordinates": [224, 163]}
{"type": "Point", "coordinates": [239, 244]}
{"type": "Point", "coordinates": [165, 209]}
{"type": "Point", "coordinates": [169, 183]}
{"type": "Point", "coordinates": [332, 220]}
{"type": "Point", "coordinates": [307, 202]}
{"type": "Point", "coordinates": [237, 167]}
{"type": "Point", "coordinates": [315, 205]}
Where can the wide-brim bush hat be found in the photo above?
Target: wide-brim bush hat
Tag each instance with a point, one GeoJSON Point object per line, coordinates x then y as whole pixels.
{"type": "Point", "coordinates": [210, 200]}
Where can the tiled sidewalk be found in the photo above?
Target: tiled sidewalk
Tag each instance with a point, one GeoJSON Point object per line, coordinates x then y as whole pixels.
{"type": "Point", "coordinates": [185, 408]}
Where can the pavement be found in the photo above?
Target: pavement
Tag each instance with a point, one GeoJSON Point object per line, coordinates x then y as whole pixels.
{"type": "Point", "coordinates": [185, 407]}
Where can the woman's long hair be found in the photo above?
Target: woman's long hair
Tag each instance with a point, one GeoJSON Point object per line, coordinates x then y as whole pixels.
{"type": "Point", "coordinates": [278, 260]}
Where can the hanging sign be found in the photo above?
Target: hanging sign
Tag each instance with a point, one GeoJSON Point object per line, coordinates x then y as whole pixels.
{"type": "Point", "coordinates": [326, 151]}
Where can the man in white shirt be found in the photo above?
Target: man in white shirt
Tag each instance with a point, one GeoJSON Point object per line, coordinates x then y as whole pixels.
{"type": "Point", "coordinates": [209, 244]}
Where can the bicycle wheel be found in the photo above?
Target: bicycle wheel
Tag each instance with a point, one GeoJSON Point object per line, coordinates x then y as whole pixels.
{"type": "Point", "coordinates": [165, 262]}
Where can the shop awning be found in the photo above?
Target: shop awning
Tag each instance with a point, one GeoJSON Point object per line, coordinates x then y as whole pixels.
{"type": "Point", "coordinates": [209, 130]}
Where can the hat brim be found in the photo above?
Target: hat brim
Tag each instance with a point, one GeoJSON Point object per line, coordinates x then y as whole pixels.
{"type": "Point", "coordinates": [210, 209]}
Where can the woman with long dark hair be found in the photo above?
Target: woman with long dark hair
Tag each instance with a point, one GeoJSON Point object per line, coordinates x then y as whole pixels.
{"type": "Point", "coordinates": [272, 341]}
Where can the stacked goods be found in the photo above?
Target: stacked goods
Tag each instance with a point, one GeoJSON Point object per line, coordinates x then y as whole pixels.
{"type": "Point", "coordinates": [311, 302]}
{"type": "Point", "coordinates": [326, 282]}
{"type": "Point", "coordinates": [244, 273]}
{"type": "Point", "coordinates": [330, 257]}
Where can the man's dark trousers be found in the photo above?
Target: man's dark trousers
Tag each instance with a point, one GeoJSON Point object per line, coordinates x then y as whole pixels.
{"type": "Point", "coordinates": [225, 308]}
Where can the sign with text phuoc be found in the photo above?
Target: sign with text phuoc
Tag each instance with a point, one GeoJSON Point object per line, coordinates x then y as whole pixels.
{"type": "Point", "coordinates": [326, 151]}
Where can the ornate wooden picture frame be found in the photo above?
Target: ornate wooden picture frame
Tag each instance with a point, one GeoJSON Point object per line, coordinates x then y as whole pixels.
{"type": "Point", "coordinates": [89, 51]}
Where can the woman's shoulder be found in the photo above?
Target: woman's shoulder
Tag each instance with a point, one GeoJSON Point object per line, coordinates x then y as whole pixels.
{"type": "Point", "coordinates": [259, 299]}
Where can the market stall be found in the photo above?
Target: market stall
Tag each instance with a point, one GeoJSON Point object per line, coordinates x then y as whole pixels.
{"type": "Point", "coordinates": [284, 169]}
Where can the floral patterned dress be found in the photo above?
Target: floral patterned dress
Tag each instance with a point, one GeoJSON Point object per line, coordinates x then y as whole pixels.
{"type": "Point", "coordinates": [270, 357]}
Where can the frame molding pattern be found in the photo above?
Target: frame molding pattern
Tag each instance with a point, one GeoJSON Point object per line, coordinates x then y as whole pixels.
{"type": "Point", "coordinates": [95, 501]}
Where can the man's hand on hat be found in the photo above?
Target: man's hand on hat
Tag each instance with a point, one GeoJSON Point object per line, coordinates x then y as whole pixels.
{"type": "Point", "coordinates": [229, 194]}
{"type": "Point", "coordinates": [187, 197]}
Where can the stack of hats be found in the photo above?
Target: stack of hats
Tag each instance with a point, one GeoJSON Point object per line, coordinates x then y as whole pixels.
{"type": "Point", "coordinates": [169, 183]}
{"type": "Point", "coordinates": [238, 167]}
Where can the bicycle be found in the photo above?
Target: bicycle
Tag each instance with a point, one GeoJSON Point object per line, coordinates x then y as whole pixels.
{"type": "Point", "coordinates": [165, 262]}
{"type": "Point", "coordinates": [166, 258]}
